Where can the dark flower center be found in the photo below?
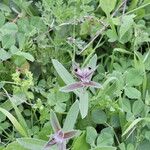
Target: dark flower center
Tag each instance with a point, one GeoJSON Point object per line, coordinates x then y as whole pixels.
{"type": "Point", "coordinates": [76, 69]}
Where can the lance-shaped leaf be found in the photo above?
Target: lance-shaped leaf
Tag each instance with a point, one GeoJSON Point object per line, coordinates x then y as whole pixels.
{"type": "Point", "coordinates": [72, 87]}
{"type": "Point", "coordinates": [83, 105]}
{"type": "Point", "coordinates": [71, 117]}
{"type": "Point", "coordinates": [30, 143]}
{"type": "Point", "coordinates": [14, 121]}
{"type": "Point", "coordinates": [92, 62]}
{"type": "Point", "coordinates": [54, 122]}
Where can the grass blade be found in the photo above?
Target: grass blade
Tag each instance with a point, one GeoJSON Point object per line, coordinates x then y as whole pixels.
{"type": "Point", "coordinates": [19, 115]}
{"type": "Point", "coordinates": [14, 121]}
{"type": "Point", "coordinates": [136, 121]}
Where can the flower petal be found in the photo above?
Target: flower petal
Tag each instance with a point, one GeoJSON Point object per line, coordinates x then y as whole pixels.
{"type": "Point", "coordinates": [70, 134]}
{"type": "Point", "coordinates": [54, 121]}
{"type": "Point", "coordinates": [50, 143]}
{"type": "Point", "coordinates": [72, 87]}
{"type": "Point", "coordinates": [78, 73]}
{"type": "Point", "coordinates": [93, 84]}
{"type": "Point", "coordinates": [90, 74]}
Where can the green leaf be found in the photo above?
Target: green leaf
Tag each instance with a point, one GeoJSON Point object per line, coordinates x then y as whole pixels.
{"type": "Point", "coordinates": [112, 35]}
{"type": "Point", "coordinates": [138, 106]}
{"type": "Point", "coordinates": [18, 113]}
{"type": "Point", "coordinates": [55, 96]}
{"type": "Point", "coordinates": [127, 22]}
{"type": "Point", "coordinates": [132, 93]}
{"type": "Point", "coordinates": [14, 121]}
{"type": "Point", "coordinates": [134, 77]}
{"type": "Point", "coordinates": [130, 147]}
{"type": "Point", "coordinates": [14, 146]}
{"type": "Point", "coordinates": [125, 104]}
{"type": "Point", "coordinates": [98, 116]}
{"type": "Point", "coordinates": [2, 84]}
{"type": "Point", "coordinates": [115, 121]}
{"type": "Point", "coordinates": [24, 26]}
{"type": "Point", "coordinates": [147, 135]}
{"type": "Point", "coordinates": [4, 55]}
{"type": "Point", "coordinates": [144, 145]}
{"type": "Point", "coordinates": [71, 117]}
{"type": "Point", "coordinates": [21, 40]}
{"type": "Point", "coordinates": [147, 98]}
{"type": "Point", "coordinates": [106, 137]}
{"type": "Point", "coordinates": [9, 28]}
{"type": "Point", "coordinates": [122, 146]}
{"type": "Point", "coordinates": [83, 104]}
{"type": "Point", "coordinates": [127, 37]}
{"type": "Point", "coordinates": [130, 116]}
{"type": "Point", "coordinates": [107, 5]}
{"type": "Point", "coordinates": [13, 49]}
{"type": "Point", "coordinates": [64, 74]}
{"type": "Point", "coordinates": [105, 148]}
{"type": "Point", "coordinates": [19, 60]}
{"type": "Point", "coordinates": [45, 130]}
{"type": "Point", "coordinates": [31, 143]}
{"type": "Point", "coordinates": [5, 9]}
{"type": "Point", "coordinates": [146, 60]}
{"type": "Point", "coordinates": [121, 50]}
{"type": "Point", "coordinates": [18, 99]}
{"type": "Point", "coordinates": [85, 26]}
{"type": "Point", "coordinates": [80, 142]}
{"type": "Point", "coordinates": [92, 62]}
{"type": "Point", "coordinates": [25, 55]}
{"type": "Point", "coordinates": [8, 40]}
{"type": "Point", "coordinates": [60, 107]}
{"type": "Point", "coordinates": [91, 135]}
{"type": "Point", "coordinates": [2, 20]}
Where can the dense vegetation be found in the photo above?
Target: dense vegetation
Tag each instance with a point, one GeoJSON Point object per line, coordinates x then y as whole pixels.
{"type": "Point", "coordinates": [47, 49]}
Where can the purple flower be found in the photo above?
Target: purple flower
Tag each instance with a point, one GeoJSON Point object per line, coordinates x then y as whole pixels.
{"type": "Point", "coordinates": [84, 75]}
{"type": "Point", "coordinates": [59, 137]}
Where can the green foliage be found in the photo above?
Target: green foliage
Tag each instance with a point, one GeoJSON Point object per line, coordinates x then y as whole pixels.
{"type": "Point", "coordinates": [98, 116]}
{"type": "Point", "coordinates": [14, 146]}
{"type": "Point", "coordinates": [107, 5]}
{"type": "Point", "coordinates": [91, 136]}
{"type": "Point", "coordinates": [41, 40]}
{"type": "Point", "coordinates": [71, 117]}
{"type": "Point", "coordinates": [106, 137]}
{"type": "Point", "coordinates": [81, 142]}
{"type": "Point", "coordinates": [14, 122]}
{"type": "Point", "coordinates": [32, 144]}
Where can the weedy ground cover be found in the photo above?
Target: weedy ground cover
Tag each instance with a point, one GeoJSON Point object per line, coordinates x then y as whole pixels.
{"type": "Point", "coordinates": [75, 74]}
